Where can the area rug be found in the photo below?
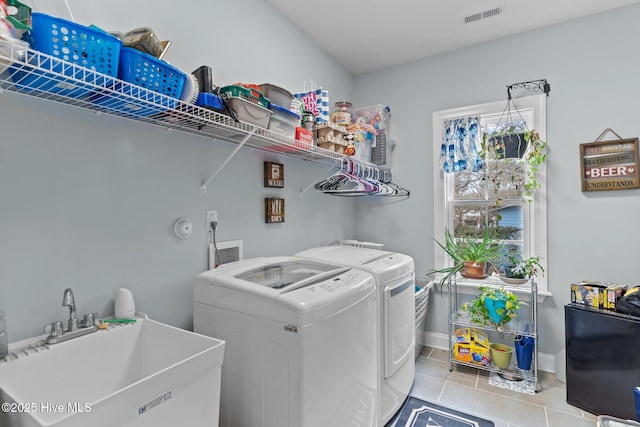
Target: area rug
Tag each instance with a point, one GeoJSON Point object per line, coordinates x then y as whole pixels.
{"type": "Point", "coordinates": [418, 413]}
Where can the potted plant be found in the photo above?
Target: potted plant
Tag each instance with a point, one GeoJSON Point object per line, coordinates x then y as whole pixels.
{"type": "Point", "coordinates": [492, 306]}
{"type": "Point", "coordinates": [518, 270]}
{"type": "Point", "coordinates": [472, 256]}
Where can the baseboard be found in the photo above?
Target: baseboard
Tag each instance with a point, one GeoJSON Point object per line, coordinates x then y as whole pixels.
{"type": "Point", "coordinates": [546, 362]}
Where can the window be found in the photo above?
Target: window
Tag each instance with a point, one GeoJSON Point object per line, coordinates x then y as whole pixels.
{"type": "Point", "coordinates": [465, 200]}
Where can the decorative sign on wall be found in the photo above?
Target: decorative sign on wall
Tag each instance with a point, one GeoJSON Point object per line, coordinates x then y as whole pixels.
{"type": "Point", "coordinates": [273, 210]}
{"type": "Point", "coordinates": [273, 175]}
{"type": "Point", "coordinates": [609, 165]}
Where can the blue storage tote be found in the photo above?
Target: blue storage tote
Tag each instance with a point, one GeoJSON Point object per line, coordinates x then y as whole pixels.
{"type": "Point", "coordinates": [150, 72]}
{"type": "Point", "coordinates": [142, 70]}
{"type": "Point", "coordinates": [72, 50]}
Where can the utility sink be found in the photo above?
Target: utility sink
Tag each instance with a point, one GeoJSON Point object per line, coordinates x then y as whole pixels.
{"type": "Point", "coordinates": [139, 374]}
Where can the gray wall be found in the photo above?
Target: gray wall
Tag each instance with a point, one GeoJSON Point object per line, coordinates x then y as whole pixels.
{"type": "Point", "coordinates": [88, 201]}
{"type": "Point", "coordinates": [592, 65]}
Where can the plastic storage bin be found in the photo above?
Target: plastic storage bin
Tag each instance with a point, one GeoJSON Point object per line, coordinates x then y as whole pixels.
{"type": "Point", "coordinates": [249, 94]}
{"type": "Point", "coordinates": [142, 70]}
{"type": "Point", "coordinates": [150, 72]}
{"type": "Point", "coordinates": [283, 121]}
{"type": "Point", "coordinates": [371, 128]}
{"type": "Point", "coordinates": [304, 136]}
{"type": "Point", "coordinates": [277, 95]}
{"type": "Point", "coordinates": [93, 52]}
{"type": "Point", "coordinates": [248, 111]}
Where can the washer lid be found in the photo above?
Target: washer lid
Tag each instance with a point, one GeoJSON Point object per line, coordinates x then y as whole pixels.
{"type": "Point", "coordinates": [385, 266]}
{"type": "Point", "coordinates": [267, 288]}
{"type": "Point", "coordinates": [285, 274]}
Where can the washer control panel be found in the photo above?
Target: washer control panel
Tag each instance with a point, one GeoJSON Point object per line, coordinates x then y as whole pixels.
{"type": "Point", "coordinates": [347, 280]}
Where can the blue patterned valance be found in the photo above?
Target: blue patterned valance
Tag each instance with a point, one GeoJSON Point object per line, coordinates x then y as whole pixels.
{"type": "Point", "coordinates": [461, 145]}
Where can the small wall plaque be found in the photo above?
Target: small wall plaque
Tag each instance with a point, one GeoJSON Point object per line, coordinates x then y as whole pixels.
{"type": "Point", "coordinates": [273, 210]}
{"type": "Point", "coordinates": [273, 175]}
{"type": "Point", "coordinates": [609, 165]}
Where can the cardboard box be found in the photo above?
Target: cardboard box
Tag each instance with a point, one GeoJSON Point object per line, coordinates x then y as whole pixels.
{"type": "Point", "coordinates": [612, 295]}
{"type": "Point", "coordinates": [588, 293]}
{"type": "Point", "coordinates": [472, 346]}
{"type": "Point", "coordinates": [472, 353]}
{"type": "Point", "coordinates": [467, 336]}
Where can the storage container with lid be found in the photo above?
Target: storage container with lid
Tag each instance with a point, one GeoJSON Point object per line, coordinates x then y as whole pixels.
{"type": "Point", "coordinates": [283, 121]}
{"type": "Point", "coordinates": [342, 114]}
{"type": "Point", "coordinates": [298, 107]}
{"type": "Point", "coordinates": [276, 94]}
{"type": "Point", "coordinates": [247, 111]}
{"type": "Point", "coordinates": [247, 93]}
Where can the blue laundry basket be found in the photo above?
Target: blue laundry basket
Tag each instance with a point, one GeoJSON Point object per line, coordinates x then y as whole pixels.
{"type": "Point", "coordinates": [154, 86]}
{"type": "Point", "coordinates": [84, 54]}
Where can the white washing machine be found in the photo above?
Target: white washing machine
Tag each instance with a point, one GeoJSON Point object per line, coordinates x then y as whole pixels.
{"type": "Point", "coordinates": [395, 281]}
{"type": "Point", "coordinates": [300, 342]}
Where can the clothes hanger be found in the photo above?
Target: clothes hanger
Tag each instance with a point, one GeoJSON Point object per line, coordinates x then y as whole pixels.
{"type": "Point", "coordinates": [355, 179]}
{"type": "Point", "coordinates": [342, 181]}
{"type": "Point", "coordinates": [348, 182]}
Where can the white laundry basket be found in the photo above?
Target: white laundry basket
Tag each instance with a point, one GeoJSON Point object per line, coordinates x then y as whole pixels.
{"type": "Point", "coordinates": [422, 302]}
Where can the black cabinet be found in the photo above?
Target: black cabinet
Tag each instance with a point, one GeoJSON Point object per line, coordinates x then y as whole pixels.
{"type": "Point", "coordinates": [603, 360]}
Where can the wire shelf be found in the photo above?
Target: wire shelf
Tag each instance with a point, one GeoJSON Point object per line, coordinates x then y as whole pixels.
{"type": "Point", "coordinates": [28, 72]}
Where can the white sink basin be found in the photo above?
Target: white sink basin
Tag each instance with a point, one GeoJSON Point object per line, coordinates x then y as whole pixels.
{"type": "Point", "coordinates": [141, 374]}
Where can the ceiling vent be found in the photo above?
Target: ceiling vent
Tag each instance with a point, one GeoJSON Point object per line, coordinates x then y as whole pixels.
{"type": "Point", "coordinates": [474, 17]}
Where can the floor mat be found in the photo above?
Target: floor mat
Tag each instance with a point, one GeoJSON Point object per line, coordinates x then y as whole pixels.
{"type": "Point", "coordinates": [527, 387]}
{"type": "Point", "coordinates": [418, 413]}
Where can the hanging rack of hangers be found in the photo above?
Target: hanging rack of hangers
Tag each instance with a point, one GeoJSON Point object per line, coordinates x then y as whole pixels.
{"type": "Point", "coordinates": [354, 179]}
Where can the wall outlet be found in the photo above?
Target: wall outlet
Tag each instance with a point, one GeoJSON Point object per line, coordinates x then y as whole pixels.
{"type": "Point", "coordinates": [212, 216]}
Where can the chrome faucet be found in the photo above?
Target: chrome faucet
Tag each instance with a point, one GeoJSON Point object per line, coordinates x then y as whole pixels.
{"type": "Point", "coordinates": [58, 334]}
{"type": "Point", "coordinates": [68, 301]}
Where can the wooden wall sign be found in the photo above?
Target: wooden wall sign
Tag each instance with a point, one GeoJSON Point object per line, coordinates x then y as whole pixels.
{"type": "Point", "coordinates": [609, 165]}
{"type": "Point", "coordinates": [273, 175]}
{"type": "Point", "coordinates": [273, 210]}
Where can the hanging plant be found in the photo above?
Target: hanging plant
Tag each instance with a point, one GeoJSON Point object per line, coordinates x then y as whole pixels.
{"type": "Point", "coordinates": [535, 155]}
{"type": "Point", "coordinates": [519, 169]}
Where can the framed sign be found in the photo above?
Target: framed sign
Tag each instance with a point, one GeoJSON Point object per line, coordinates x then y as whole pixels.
{"type": "Point", "coordinates": [273, 210]}
{"type": "Point", "coordinates": [609, 165]}
{"type": "Point", "coordinates": [273, 175]}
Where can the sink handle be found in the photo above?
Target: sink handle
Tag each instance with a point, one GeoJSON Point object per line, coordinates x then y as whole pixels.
{"type": "Point", "coordinates": [55, 328]}
{"type": "Point", "coordinates": [89, 320]}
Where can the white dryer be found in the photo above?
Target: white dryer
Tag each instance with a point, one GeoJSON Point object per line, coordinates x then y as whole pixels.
{"type": "Point", "coordinates": [300, 342]}
{"type": "Point", "coordinates": [395, 281]}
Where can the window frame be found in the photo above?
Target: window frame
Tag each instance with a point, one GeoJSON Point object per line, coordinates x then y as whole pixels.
{"type": "Point", "coordinates": [534, 213]}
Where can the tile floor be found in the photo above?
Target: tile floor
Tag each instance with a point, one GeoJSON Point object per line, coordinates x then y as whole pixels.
{"type": "Point", "coordinates": [468, 389]}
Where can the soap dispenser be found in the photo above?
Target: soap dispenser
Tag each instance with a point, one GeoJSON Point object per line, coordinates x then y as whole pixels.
{"type": "Point", "coordinates": [125, 306]}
